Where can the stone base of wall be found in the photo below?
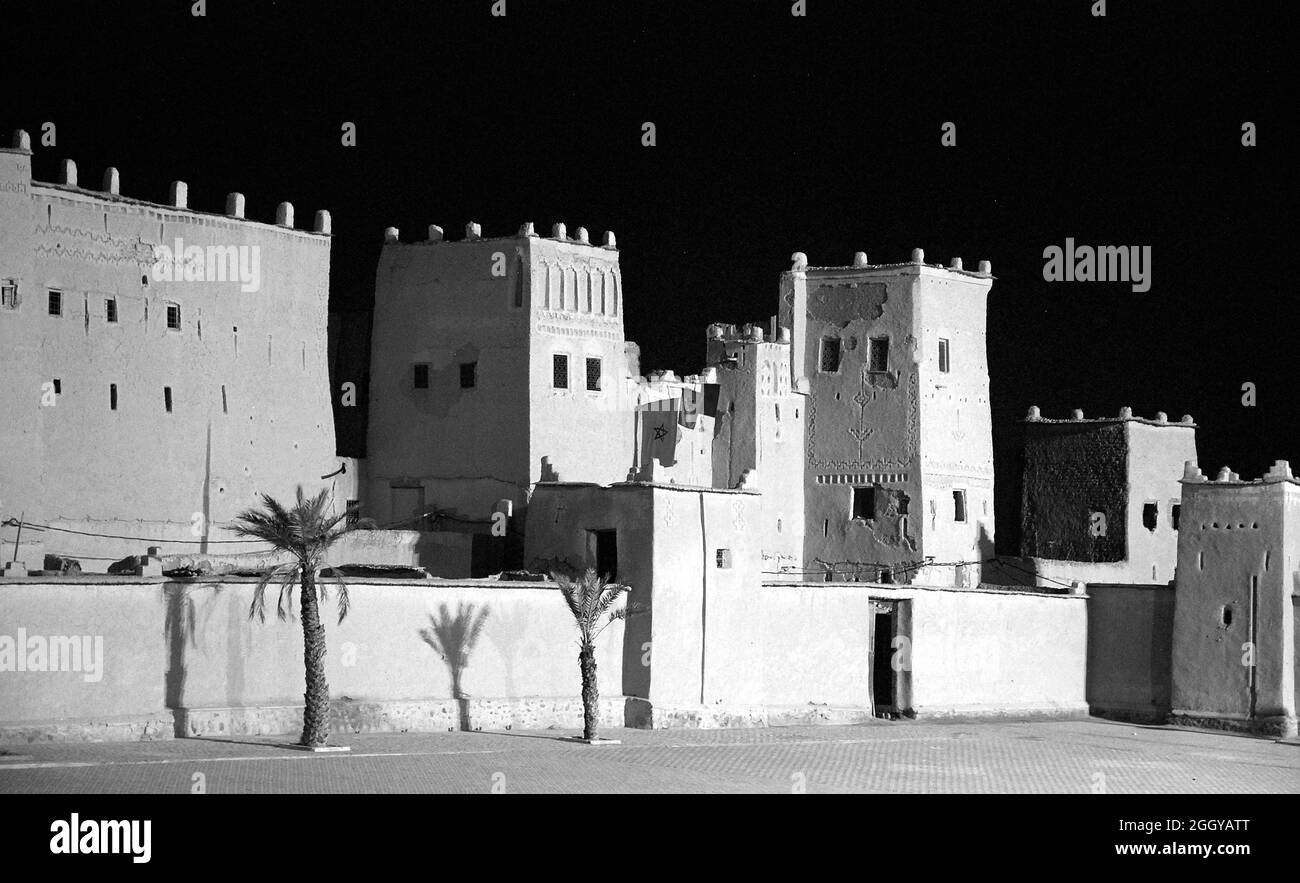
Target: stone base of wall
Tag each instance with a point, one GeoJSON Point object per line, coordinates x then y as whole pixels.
{"type": "Point", "coordinates": [1279, 727]}
{"type": "Point", "coordinates": [415, 716]}
{"type": "Point", "coordinates": [133, 729]}
{"type": "Point", "coordinates": [444, 715]}
{"type": "Point", "coordinates": [1133, 714]}
{"type": "Point", "coordinates": [1070, 711]}
{"type": "Point", "coordinates": [641, 714]}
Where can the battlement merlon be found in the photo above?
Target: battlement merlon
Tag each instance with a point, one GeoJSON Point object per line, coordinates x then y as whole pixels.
{"type": "Point", "coordinates": [579, 243]}
{"type": "Point", "coordinates": [1278, 473]}
{"type": "Point", "coordinates": [749, 333]}
{"type": "Point", "coordinates": [861, 266]}
{"type": "Point", "coordinates": [1035, 416]}
{"type": "Point", "coordinates": [110, 196]}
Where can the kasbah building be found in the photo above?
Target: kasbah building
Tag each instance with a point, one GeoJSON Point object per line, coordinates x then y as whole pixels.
{"type": "Point", "coordinates": [808, 520]}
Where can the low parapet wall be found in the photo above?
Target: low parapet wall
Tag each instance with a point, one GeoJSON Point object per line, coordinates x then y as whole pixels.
{"type": "Point", "coordinates": [158, 658]}
{"type": "Point", "coordinates": [168, 651]}
{"type": "Point", "coordinates": [956, 651]}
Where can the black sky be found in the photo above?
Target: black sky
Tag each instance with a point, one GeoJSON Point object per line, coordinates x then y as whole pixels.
{"type": "Point", "coordinates": [775, 134]}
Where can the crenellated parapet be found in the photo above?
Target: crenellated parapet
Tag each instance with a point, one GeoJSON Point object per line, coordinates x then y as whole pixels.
{"type": "Point", "coordinates": [1035, 415]}
{"type": "Point", "coordinates": [110, 191]}
{"type": "Point", "coordinates": [527, 230]}
{"type": "Point", "coordinates": [799, 264]}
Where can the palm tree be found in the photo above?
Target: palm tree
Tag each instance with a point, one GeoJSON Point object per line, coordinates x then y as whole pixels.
{"type": "Point", "coordinates": [306, 532]}
{"type": "Point", "coordinates": [589, 597]}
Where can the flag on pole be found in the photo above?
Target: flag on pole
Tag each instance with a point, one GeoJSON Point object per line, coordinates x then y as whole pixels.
{"type": "Point", "coordinates": [662, 428]}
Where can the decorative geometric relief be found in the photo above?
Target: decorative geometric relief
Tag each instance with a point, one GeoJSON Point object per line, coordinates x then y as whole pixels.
{"type": "Point", "coordinates": [862, 431]}
{"type": "Point", "coordinates": [738, 515]}
{"type": "Point", "coordinates": [100, 247]}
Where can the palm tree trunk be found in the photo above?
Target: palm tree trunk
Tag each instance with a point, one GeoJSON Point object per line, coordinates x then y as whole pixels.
{"type": "Point", "coordinates": [590, 693]}
{"type": "Point", "coordinates": [315, 718]}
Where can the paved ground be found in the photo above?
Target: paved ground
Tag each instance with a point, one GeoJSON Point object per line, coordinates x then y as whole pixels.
{"type": "Point", "coordinates": [891, 757]}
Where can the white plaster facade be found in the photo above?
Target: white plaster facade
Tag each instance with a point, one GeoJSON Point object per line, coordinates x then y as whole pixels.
{"type": "Point", "coordinates": [134, 406]}
{"type": "Point", "coordinates": [1236, 601]}
{"type": "Point", "coordinates": [508, 307]}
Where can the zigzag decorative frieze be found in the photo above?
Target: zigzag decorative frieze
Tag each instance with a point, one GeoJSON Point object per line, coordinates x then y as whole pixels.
{"type": "Point", "coordinates": [111, 249]}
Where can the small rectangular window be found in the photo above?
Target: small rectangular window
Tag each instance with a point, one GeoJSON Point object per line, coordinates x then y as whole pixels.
{"type": "Point", "coordinates": [958, 505]}
{"type": "Point", "coordinates": [167, 398]}
{"type": "Point", "coordinates": [1150, 515]}
{"type": "Point", "coordinates": [593, 375]}
{"type": "Point", "coordinates": [224, 408]}
{"type": "Point", "coordinates": [830, 358]}
{"type": "Point", "coordinates": [943, 356]}
{"type": "Point", "coordinates": [58, 387]}
{"type": "Point", "coordinates": [174, 317]}
{"type": "Point", "coordinates": [56, 303]}
{"type": "Point", "coordinates": [354, 513]}
{"type": "Point", "coordinates": [560, 371]}
{"type": "Point", "coordinates": [420, 376]}
{"type": "Point", "coordinates": [112, 397]}
{"type": "Point", "coordinates": [9, 295]}
{"type": "Point", "coordinates": [864, 502]}
{"type": "Point", "coordinates": [468, 375]}
{"type": "Point", "coordinates": [724, 559]}
{"type": "Point", "coordinates": [110, 309]}
{"type": "Point", "coordinates": [1174, 512]}
{"type": "Point", "coordinates": [879, 358]}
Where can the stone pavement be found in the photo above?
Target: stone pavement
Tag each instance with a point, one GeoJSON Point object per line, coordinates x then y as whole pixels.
{"type": "Point", "coordinates": [1076, 756]}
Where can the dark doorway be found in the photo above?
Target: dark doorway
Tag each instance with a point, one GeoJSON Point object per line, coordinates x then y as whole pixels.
{"type": "Point", "coordinates": [882, 669]}
{"type": "Point", "coordinates": [606, 553]}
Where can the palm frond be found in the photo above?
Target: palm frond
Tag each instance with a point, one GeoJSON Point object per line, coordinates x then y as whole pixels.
{"type": "Point", "coordinates": [568, 589]}
{"type": "Point", "coordinates": [592, 588]}
{"type": "Point", "coordinates": [305, 530]}
{"type": "Point", "coordinates": [345, 600]}
{"type": "Point", "coordinates": [635, 608]}
{"type": "Point", "coordinates": [284, 607]}
{"type": "Point", "coordinates": [475, 628]}
{"type": "Point", "coordinates": [613, 592]}
{"type": "Point", "coordinates": [257, 608]}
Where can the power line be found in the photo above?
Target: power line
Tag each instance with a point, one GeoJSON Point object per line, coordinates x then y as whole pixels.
{"type": "Point", "coordinates": [108, 536]}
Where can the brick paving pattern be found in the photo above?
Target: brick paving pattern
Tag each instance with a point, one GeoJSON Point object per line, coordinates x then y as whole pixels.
{"type": "Point", "coordinates": [1080, 756]}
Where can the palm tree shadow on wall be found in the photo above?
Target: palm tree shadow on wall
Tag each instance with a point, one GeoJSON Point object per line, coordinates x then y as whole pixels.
{"type": "Point", "coordinates": [453, 638]}
{"type": "Point", "coordinates": [179, 631]}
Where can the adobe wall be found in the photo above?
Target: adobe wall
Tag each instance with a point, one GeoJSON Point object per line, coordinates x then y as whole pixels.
{"type": "Point", "coordinates": [247, 369]}
{"type": "Point", "coordinates": [669, 541]}
{"type": "Point", "coordinates": [1073, 469]}
{"type": "Point", "coordinates": [977, 653]}
{"type": "Point", "coordinates": [438, 303]}
{"type": "Point", "coordinates": [861, 428]}
{"type": "Point", "coordinates": [956, 437]}
{"type": "Point", "coordinates": [508, 305]}
{"type": "Point", "coordinates": [1079, 471]}
{"type": "Point", "coordinates": [912, 432]}
{"type": "Point", "coordinates": [190, 648]}
{"type": "Point", "coordinates": [1235, 602]}
{"type": "Point", "coordinates": [967, 652]}
{"type": "Point", "coordinates": [759, 436]}
{"type": "Point", "coordinates": [1130, 647]}
{"type": "Point", "coordinates": [576, 310]}
{"type": "Point", "coordinates": [722, 650]}
{"type": "Point", "coordinates": [1156, 454]}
